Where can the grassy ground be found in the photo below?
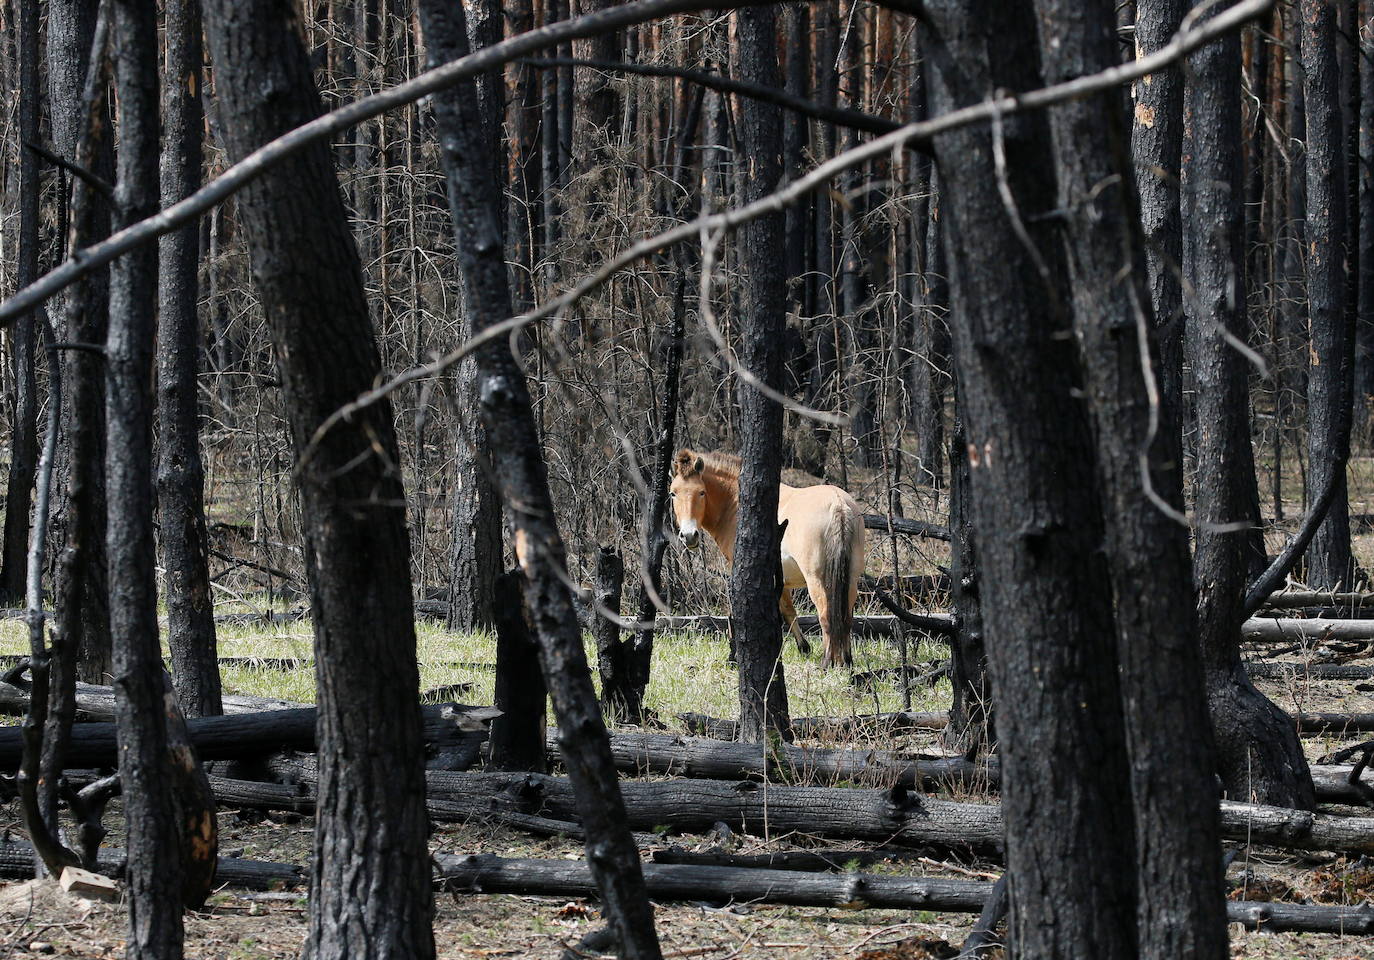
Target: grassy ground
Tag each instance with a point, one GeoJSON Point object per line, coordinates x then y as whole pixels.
{"type": "Point", "coordinates": [690, 672]}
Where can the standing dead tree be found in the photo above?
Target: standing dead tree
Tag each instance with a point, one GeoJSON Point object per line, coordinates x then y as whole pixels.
{"type": "Point", "coordinates": [1258, 752]}
{"type": "Point", "coordinates": [507, 417]}
{"type": "Point", "coordinates": [1179, 886]}
{"type": "Point", "coordinates": [153, 872]}
{"type": "Point", "coordinates": [371, 828]}
{"type": "Point", "coordinates": [1331, 368]}
{"type": "Point", "coordinates": [755, 624]}
{"type": "Point", "coordinates": [181, 475]}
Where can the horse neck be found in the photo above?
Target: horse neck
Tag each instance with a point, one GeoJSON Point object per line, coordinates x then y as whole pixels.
{"type": "Point", "coordinates": [722, 512]}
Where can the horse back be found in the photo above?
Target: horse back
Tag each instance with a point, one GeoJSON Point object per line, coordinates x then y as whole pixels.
{"type": "Point", "coordinates": [822, 520]}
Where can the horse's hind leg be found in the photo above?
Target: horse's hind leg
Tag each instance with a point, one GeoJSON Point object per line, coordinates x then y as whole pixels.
{"type": "Point", "coordinates": [822, 601]}
{"type": "Point", "coordinates": [789, 616]}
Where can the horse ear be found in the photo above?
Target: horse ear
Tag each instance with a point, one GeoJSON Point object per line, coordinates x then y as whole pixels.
{"type": "Point", "coordinates": [684, 462]}
{"type": "Point", "coordinates": [699, 466]}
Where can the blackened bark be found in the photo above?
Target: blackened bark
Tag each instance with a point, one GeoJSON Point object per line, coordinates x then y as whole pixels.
{"type": "Point", "coordinates": [1332, 350]}
{"type": "Point", "coordinates": [180, 476]}
{"type": "Point", "coordinates": [610, 652]}
{"type": "Point", "coordinates": [524, 210]}
{"type": "Point", "coordinates": [1045, 596]}
{"type": "Point", "coordinates": [1157, 146]}
{"type": "Point", "coordinates": [930, 369]}
{"type": "Point", "coordinates": [476, 559]}
{"type": "Point", "coordinates": [970, 729]}
{"type": "Point", "coordinates": [76, 104]}
{"type": "Point", "coordinates": [517, 736]}
{"type": "Point", "coordinates": [1258, 753]}
{"type": "Point", "coordinates": [507, 415]}
{"type": "Point", "coordinates": [370, 890]}
{"type": "Point", "coordinates": [477, 553]}
{"type": "Point", "coordinates": [655, 511]}
{"type": "Point", "coordinates": [1180, 909]}
{"type": "Point", "coordinates": [598, 103]}
{"type": "Point", "coordinates": [154, 870]}
{"type": "Point", "coordinates": [1364, 337]}
{"type": "Point", "coordinates": [24, 411]}
{"type": "Point", "coordinates": [80, 561]}
{"type": "Point", "coordinates": [754, 621]}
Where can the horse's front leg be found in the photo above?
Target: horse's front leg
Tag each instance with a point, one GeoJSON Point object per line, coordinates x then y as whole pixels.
{"type": "Point", "coordinates": [789, 616]}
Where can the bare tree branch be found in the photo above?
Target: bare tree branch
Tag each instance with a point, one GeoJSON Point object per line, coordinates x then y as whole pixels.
{"type": "Point", "coordinates": [252, 166]}
{"type": "Point", "coordinates": [1185, 42]}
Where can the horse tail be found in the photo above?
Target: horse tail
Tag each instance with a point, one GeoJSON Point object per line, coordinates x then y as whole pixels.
{"type": "Point", "coordinates": [838, 574]}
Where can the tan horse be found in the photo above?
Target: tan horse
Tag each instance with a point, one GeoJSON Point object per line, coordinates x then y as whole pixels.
{"type": "Point", "coordinates": [822, 547]}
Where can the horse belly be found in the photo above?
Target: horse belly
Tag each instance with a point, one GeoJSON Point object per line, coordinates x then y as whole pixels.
{"type": "Point", "coordinates": [792, 577]}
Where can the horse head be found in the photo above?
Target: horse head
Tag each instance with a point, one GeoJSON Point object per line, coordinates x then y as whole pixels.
{"type": "Point", "coordinates": [688, 491]}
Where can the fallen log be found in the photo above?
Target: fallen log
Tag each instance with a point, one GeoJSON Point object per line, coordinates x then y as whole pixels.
{"type": "Point", "coordinates": [641, 753]}
{"type": "Point", "coordinates": [912, 528]}
{"type": "Point", "coordinates": [455, 730]}
{"type": "Point", "coordinates": [825, 727]}
{"type": "Point", "coordinates": [638, 754]}
{"type": "Point", "coordinates": [1334, 723]}
{"type": "Point", "coordinates": [97, 702]}
{"type": "Point", "coordinates": [572, 878]}
{"type": "Point", "coordinates": [16, 863]}
{"type": "Point", "coordinates": [492, 874]}
{"type": "Point", "coordinates": [1277, 628]}
{"type": "Point", "coordinates": [1297, 599]}
{"type": "Point", "coordinates": [1286, 670]}
{"type": "Point", "coordinates": [1333, 785]}
{"type": "Point", "coordinates": [809, 860]}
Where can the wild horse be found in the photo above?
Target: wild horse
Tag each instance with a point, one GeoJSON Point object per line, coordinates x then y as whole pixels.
{"type": "Point", "coordinates": [822, 545]}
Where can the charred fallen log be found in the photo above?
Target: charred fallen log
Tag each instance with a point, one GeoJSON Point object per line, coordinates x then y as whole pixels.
{"type": "Point", "coordinates": [641, 753]}
{"type": "Point", "coordinates": [452, 729]}
{"type": "Point", "coordinates": [16, 863]}
{"type": "Point", "coordinates": [1284, 670]}
{"type": "Point", "coordinates": [97, 702]}
{"type": "Point", "coordinates": [564, 878]}
{"type": "Point", "coordinates": [1273, 629]}
{"type": "Point", "coordinates": [913, 528]}
{"type": "Point", "coordinates": [826, 727]}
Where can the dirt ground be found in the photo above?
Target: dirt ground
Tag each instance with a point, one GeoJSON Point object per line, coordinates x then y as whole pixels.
{"type": "Point", "coordinates": [237, 924]}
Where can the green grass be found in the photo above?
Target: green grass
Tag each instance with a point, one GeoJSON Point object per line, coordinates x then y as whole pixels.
{"type": "Point", "coordinates": [690, 671]}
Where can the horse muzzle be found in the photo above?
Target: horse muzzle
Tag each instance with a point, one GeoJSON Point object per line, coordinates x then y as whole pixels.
{"type": "Point", "coordinates": [691, 539]}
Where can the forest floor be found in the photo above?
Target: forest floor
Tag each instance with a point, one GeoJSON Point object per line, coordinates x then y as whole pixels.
{"type": "Point", "coordinates": [239, 924]}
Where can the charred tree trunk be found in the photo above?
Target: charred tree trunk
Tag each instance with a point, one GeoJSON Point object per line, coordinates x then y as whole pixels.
{"type": "Point", "coordinates": [1157, 147]}
{"type": "Point", "coordinates": [930, 369]}
{"type": "Point", "coordinates": [180, 477]}
{"type": "Point", "coordinates": [517, 736]}
{"type": "Point", "coordinates": [970, 729]}
{"type": "Point", "coordinates": [353, 506]}
{"type": "Point", "coordinates": [1181, 910]}
{"type": "Point", "coordinates": [1046, 601]}
{"type": "Point", "coordinates": [610, 652]}
{"type": "Point", "coordinates": [84, 534]}
{"type": "Point", "coordinates": [1329, 562]}
{"type": "Point", "coordinates": [1258, 753]}
{"type": "Point", "coordinates": [81, 570]}
{"type": "Point", "coordinates": [655, 514]}
{"type": "Point", "coordinates": [24, 411]}
{"type": "Point", "coordinates": [1364, 227]}
{"type": "Point", "coordinates": [477, 558]}
{"type": "Point", "coordinates": [755, 623]}
{"type": "Point", "coordinates": [508, 417]}
{"type": "Point", "coordinates": [597, 101]}
{"type": "Point", "coordinates": [153, 873]}
{"type": "Point", "coordinates": [525, 223]}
